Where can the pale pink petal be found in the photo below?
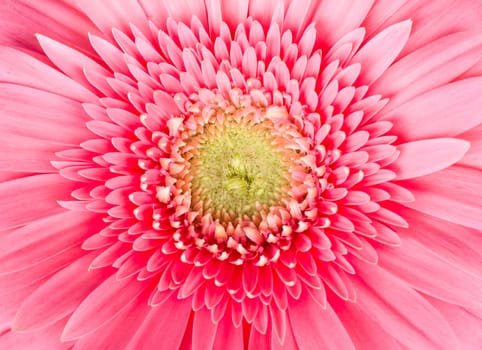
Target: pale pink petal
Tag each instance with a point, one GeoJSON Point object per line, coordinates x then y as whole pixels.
{"type": "Point", "coordinates": [419, 158]}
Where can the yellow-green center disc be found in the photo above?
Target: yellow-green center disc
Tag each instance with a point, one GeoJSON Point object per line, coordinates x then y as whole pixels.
{"type": "Point", "coordinates": [238, 171]}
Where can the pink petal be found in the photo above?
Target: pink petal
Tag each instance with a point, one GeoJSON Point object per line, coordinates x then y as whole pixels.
{"type": "Point", "coordinates": [235, 12]}
{"type": "Point", "coordinates": [311, 325]}
{"type": "Point", "coordinates": [263, 10]}
{"type": "Point", "coordinates": [20, 68]}
{"type": "Point", "coordinates": [20, 20]}
{"type": "Point", "coordinates": [203, 330]}
{"type": "Point", "coordinates": [118, 332]}
{"type": "Point", "coordinates": [452, 194]}
{"type": "Point", "coordinates": [427, 272]}
{"type": "Point", "coordinates": [36, 120]}
{"type": "Point", "coordinates": [69, 60]}
{"type": "Point", "coordinates": [92, 313]}
{"type": "Point", "coordinates": [171, 324]}
{"type": "Point", "coordinates": [44, 238]}
{"type": "Point", "coordinates": [446, 111]}
{"type": "Point", "coordinates": [59, 296]}
{"type": "Point", "coordinates": [381, 11]}
{"type": "Point", "coordinates": [419, 158]}
{"type": "Point", "coordinates": [335, 18]}
{"type": "Point", "coordinates": [24, 341]}
{"type": "Point", "coordinates": [257, 340]}
{"type": "Point", "coordinates": [472, 158]}
{"type": "Point", "coordinates": [437, 236]}
{"type": "Point", "coordinates": [380, 52]}
{"type": "Point", "coordinates": [18, 280]}
{"type": "Point", "coordinates": [228, 336]}
{"type": "Point", "coordinates": [112, 14]}
{"type": "Point", "coordinates": [419, 71]}
{"type": "Point", "coordinates": [35, 155]}
{"type": "Point", "coordinates": [38, 198]}
{"type": "Point", "coordinates": [365, 333]}
{"type": "Point", "coordinates": [465, 324]}
{"type": "Point", "coordinates": [401, 311]}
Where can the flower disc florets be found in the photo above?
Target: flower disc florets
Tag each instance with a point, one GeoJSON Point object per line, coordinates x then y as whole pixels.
{"type": "Point", "coordinates": [244, 170]}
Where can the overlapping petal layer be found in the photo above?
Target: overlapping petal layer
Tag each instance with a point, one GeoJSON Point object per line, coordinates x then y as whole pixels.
{"type": "Point", "coordinates": [362, 239]}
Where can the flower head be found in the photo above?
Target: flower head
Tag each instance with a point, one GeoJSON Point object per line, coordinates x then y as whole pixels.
{"type": "Point", "coordinates": [242, 175]}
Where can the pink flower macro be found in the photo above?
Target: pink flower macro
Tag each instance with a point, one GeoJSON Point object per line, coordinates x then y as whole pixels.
{"type": "Point", "coordinates": [242, 174]}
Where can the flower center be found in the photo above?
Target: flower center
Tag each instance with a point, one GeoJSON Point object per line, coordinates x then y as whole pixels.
{"type": "Point", "coordinates": [237, 171]}
{"type": "Point", "coordinates": [239, 179]}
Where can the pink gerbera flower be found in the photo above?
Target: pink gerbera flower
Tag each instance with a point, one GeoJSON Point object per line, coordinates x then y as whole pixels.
{"type": "Point", "coordinates": [240, 174]}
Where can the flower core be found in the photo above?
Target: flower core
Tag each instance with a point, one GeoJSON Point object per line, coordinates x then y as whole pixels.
{"type": "Point", "coordinates": [236, 171]}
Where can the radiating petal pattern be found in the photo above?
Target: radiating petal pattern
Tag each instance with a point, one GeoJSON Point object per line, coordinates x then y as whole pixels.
{"type": "Point", "coordinates": [249, 174]}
